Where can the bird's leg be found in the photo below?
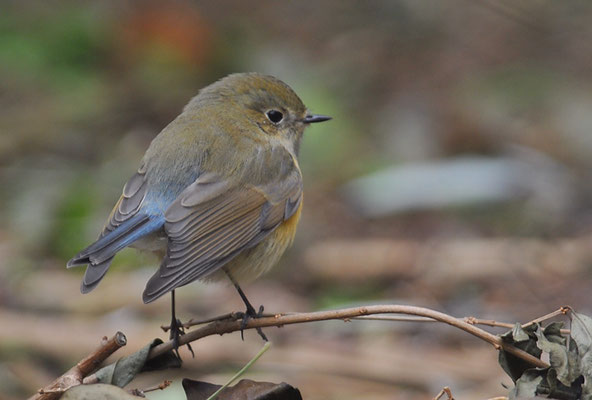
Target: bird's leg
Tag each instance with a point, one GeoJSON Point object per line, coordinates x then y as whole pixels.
{"type": "Point", "coordinates": [177, 329]}
{"type": "Point", "coordinates": [250, 313]}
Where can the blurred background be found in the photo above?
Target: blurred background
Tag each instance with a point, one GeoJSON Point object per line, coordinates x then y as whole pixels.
{"type": "Point", "coordinates": [455, 175]}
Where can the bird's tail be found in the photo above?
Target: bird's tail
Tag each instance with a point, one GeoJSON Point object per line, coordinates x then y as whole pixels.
{"type": "Point", "coordinates": [98, 256]}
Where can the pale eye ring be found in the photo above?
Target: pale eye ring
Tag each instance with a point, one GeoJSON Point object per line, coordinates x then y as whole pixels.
{"type": "Point", "coordinates": [275, 116]}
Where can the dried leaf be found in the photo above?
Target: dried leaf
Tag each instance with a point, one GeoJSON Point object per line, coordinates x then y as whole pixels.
{"type": "Point", "coordinates": [527, 385]}
{"type": "Point", "coordinates": [245, 389]}
{"type": "Point", "coordinates": [524, 339]}
{"type": "Point", "coordinates": [553, 333]}
{"type": "Point", "coordinates": [581, 333]}
{"type": "Point", "coordinates": [566, 372]}
{"type": "Point", "coordinates": [557, 390]}
{"type": "Point", "coordinates": [198, 390]}
{"type": "Point", "coordinates": [121, 372]}
{"type": "Point", "coordinates": [563, 379]}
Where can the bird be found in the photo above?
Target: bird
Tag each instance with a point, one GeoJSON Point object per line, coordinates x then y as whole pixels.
{"type": "Point", "coordinates": [218, 193]}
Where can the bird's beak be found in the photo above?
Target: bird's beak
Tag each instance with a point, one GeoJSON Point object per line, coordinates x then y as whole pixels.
{"type": "Point", "coordinates": [309, 119]}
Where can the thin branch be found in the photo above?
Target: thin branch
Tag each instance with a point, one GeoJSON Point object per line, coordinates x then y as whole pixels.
{"type": "Point", "coordinates": [400, 318]}
{"type": "Point", "coordinates": [231, 316]}
{"type": "Point", "coordinates": [470, 320]}
{"type": "Point", "coordinates": [140, 392]}
{"type": "Point", "coordinates": [87, 365]}
{"type": "Point", "coordinates": [445, 391]}
{"type": "Point", "coordinates": [561, 311]}
{"type": "Point", "coordinates": [161, 386]}
{"type": "Point", "coordinates": [220, 327]}
{"type": "Point", "coordinates": [235, 316]}
{"type": "Point", "coordinates": [507, 325]}
{"type": "Point", "coordinates": [488, 322]}
{"type": "Point", "coordinates": [192, 322]}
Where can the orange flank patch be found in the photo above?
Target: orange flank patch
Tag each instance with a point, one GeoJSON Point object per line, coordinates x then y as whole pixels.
{"type": "Point", "coordinates": [287, 230]}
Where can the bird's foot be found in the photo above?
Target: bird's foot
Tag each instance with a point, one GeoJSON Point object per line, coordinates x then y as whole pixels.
{"type": "Point", "coordinates": [176, 331]}
{"type": "Point", "coordinates": [250, 313]}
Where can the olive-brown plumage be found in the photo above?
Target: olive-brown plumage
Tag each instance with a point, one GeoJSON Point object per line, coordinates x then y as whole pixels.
{"type": "Point", "coordinates": [218, 190]}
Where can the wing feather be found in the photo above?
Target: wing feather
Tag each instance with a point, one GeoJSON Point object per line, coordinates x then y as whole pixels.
{"type": "Point", "coordinates": [125, 224]}
{"type": "Point", "coordinates": [212, 221]}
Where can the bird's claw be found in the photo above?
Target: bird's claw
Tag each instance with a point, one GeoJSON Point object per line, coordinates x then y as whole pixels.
{"type": "Point", "coordinates": [250, 313]}
{"type": "Point", "coordinates": [178, 330]}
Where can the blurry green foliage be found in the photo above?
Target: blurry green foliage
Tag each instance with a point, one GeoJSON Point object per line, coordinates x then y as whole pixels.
{"type": "Point", "coordinates": [56, 51]}
{"type": "Point", "coordinates": [72, 229]}
{"type": "Point", "coordinates": [71, 218]}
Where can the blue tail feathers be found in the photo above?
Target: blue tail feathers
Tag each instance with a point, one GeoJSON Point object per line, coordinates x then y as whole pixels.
{"type": "Point", "coordinates": [99, 255]}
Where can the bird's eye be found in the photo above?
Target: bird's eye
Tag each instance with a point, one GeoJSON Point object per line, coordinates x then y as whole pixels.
{"type": "Point", "coordinates": [275, 116]}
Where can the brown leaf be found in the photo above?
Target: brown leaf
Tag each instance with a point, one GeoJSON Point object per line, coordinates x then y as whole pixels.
{"type": "Point", "coordinates": [245, 389]}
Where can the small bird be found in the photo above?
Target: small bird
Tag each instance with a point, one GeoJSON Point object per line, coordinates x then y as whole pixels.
{"type": "Point", "coordinates": [218, 192]}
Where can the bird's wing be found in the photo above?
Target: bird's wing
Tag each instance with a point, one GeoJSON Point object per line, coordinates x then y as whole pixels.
{"type": "Point", "coordinates": [213, 220]}
{"type": "Point", "coordinates": [125, 225]}
{"type": "Point", "coordinates": [130, 202]}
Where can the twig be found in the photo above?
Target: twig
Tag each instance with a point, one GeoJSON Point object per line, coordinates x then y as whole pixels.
{"type": "Point", "coordinates": [162, 386]}
{"type": "Point", "coordinates": [231, 316]}
{"type": "Point", "coordinates": [140, 392]}
{"type": "Point", "coordinates": [234, 316]}
{"type": "Point", "coordinates": [507, 325]}
{"type": "Point", "coordinates": [488, 322]}
{"type": "Point", "coordinates": [470, 320]}
{"type": "Point", "coordinates": [241, 371]}
{"type": "Point", "coordinates": [401, 318]}
{"type": "Point", "coordinates": [220, 327]}
{"type": "Point", "coordinates": [87, 365]}
{"type": "Point", "coordinates": [192, 322]}
{"type": "Point", "coordinates": [562, 311]}
{"type": "Point", "coordinates": [445, 391]}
